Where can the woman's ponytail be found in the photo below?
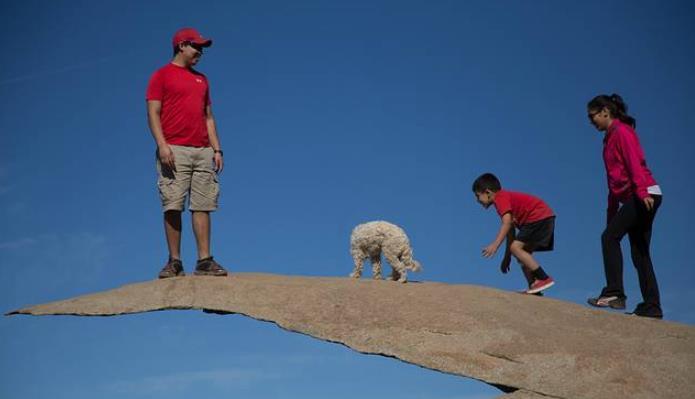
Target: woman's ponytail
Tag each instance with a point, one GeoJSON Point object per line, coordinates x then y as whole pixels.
{"type": "Point", "coordinates": [621, 110]}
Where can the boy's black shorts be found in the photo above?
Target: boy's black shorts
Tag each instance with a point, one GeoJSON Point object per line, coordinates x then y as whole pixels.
{"type": "Point", "coordinates": [538, 236]}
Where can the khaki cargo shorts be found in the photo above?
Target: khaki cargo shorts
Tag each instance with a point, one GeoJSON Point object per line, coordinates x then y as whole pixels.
{"type": "Point", "coordinates": [194, 178]}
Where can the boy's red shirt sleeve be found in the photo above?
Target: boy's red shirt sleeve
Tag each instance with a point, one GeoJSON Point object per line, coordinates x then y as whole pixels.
{"type": "Point", "coordinates": [503, 203]}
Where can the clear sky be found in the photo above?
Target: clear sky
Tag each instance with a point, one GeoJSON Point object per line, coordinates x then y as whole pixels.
{"type": "Point", "coordinates": [331, 113]}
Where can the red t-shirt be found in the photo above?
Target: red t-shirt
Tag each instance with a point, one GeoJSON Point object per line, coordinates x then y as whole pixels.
{"type": "Point", "coordinates": [524, 208]}
{"type": "Point", "coordinates": [184, 94]}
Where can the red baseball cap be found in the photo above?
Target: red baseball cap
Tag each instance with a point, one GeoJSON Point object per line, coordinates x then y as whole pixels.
{"type": "Point", "coordinates": [190, 35]}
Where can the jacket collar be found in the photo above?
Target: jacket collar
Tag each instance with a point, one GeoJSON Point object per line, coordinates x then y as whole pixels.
{"type": "Point", "coordinates": [612, 128]}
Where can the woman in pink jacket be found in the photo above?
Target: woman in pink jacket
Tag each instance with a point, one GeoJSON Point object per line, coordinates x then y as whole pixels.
{"type": "Point", "coordinates": [633, 199]}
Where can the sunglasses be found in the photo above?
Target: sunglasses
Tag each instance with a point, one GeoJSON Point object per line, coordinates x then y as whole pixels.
{"type": "Point", "coordinates": [197, 47]}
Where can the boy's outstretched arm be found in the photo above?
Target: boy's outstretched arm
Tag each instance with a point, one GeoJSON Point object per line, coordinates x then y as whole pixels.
{"type": "Point", "coordinates": [504, 230]}
{"type": "Point", "coordinates": [504, 266]}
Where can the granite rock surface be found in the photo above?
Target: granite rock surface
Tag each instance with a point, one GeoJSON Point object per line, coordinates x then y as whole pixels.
{"type": "Point", "coordinates": [529, 347]}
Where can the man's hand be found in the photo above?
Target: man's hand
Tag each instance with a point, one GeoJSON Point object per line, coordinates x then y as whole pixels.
{"type": "Point", "coordinates": [490, 250]}
{"type": "Point", "coordinates": [504, 266]}
{"type": "Point", "coordinates": [649, 203]}
{"type": "Point", "coordinates": [166, 157]}
{"type": "Point", "coordinates": [219, 162]}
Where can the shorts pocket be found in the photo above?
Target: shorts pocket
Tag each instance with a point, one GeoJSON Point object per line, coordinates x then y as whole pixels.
{"type": "Point", "coordinates": [167, 188]}
{"type": "Point", "coordinates": [214, 186]}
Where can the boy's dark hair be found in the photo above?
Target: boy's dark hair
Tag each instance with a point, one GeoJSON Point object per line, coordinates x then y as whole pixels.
{"type": "Point", "coordinates": [487, 181]}
{"type": "Point", "coordinates": [615, 105]}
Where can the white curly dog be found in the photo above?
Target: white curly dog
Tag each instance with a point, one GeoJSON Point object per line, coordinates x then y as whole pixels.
{"type": "Point", "coordinates": [371, 239]}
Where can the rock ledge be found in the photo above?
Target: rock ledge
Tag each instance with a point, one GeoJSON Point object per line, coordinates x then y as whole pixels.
{"type": "Point", "coordinates": [528, 346]}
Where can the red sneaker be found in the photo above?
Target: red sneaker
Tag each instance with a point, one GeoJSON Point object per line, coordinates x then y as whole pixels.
{"type": "Point", "coordinates": [540, 285]}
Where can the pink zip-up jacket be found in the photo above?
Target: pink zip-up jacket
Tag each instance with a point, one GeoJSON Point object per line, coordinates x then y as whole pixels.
{"type": "Point", "coordinates": [626, 167]}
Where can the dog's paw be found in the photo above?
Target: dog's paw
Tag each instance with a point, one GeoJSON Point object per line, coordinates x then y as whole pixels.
{"type": "Point", "coordinates": [355, 275]}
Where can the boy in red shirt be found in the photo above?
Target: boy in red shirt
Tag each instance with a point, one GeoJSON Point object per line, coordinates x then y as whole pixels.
{"type": "Point", "coordinates": [535, 221]}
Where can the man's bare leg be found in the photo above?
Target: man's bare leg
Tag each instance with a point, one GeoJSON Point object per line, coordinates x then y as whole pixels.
{"type": "Point", "coordinates": [205, 266]}
{"type": "Point", "coordinates": [201, 229]}
{"type": "Point", "coordinates": [172, 230]}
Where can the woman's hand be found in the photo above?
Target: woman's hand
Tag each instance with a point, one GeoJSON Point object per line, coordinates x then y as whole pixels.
{"type": "Point", "coordinates": [649, 203]}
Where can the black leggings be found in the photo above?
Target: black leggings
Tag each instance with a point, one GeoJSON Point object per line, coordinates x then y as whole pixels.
{"type": "Point", "coordinates": [635, 220]}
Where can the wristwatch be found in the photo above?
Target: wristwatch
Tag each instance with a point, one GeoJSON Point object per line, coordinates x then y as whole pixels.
{"type": "Point", "coordinates": [219, 152]}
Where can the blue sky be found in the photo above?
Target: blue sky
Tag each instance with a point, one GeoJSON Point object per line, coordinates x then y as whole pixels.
{"type": "Point", "coordinates": [330, 114]}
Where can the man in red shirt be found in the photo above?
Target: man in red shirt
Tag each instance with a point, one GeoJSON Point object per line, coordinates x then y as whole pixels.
{"type": "Point", "coordinates": [189, 155]}
{"type": "Point", "coordinates": [535, 221]}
